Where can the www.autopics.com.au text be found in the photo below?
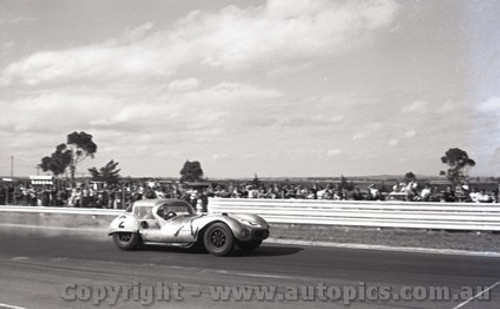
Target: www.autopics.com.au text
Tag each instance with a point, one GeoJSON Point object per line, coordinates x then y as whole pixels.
{"type": "Point", "coordinates": [148, 294]}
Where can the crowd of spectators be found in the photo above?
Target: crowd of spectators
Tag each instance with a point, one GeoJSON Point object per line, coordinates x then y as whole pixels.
{"type": "Point", "coordinates": [88, 194]}
{"type": "Point", "coordinates": [119, 196]}
{"type": "Point", "coordinates": [412, 191]}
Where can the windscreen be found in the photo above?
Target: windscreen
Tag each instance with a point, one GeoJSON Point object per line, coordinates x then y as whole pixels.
{"type": "Point", "coordinates": [179, 207]}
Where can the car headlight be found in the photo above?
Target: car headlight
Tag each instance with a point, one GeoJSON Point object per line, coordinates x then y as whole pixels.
{"type": "Point", "coordinates": [247, 222]}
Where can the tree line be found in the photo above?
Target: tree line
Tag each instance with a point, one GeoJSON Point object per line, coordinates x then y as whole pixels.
{"type": "Point", "coordinates": [80, 146]}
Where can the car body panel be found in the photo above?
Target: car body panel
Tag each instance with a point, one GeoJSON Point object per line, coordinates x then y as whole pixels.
{"type": "Point", "coordinates": [124, 223]}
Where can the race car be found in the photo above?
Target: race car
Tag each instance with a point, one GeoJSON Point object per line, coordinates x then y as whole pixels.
{"type": "Point", "coordinates": [175, 222]}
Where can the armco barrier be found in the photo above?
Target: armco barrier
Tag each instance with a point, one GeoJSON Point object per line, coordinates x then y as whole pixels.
{"type": "Point", "coordinates": [60, 210]}
{"type": "Point", "coordinates": [448, 216]}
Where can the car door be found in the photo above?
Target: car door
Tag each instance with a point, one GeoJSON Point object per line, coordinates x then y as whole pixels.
{"type": "Point", "coordinates": [175, 226]}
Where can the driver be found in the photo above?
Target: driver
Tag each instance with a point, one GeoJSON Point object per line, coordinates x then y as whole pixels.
{"type": "Point", "coordinates": [162, 214]}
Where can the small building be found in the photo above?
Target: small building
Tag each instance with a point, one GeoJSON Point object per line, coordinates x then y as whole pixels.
{"type": "Point", "coordinates": [42, 180]}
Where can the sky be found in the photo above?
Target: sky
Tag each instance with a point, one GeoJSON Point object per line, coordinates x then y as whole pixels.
{"type": "Point", "coordinates": [277, 88]}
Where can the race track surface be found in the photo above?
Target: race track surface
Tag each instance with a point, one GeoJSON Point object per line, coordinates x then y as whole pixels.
{"type": "Point", "coordinates": [39, 270]}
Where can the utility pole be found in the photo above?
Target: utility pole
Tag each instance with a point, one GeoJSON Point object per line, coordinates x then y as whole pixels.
{"type": "Point", "coordinates": [11, 166]}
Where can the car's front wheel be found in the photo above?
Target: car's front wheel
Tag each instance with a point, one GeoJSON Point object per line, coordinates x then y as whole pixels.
{"type": "Point", "coordinates": [127, 240]}
{"type": "Point", "coordinates": [218, 239]}
{"type": "Point", "coordinates": [249, 246]}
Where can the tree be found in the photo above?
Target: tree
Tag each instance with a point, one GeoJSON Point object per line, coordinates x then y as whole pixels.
{"type": "Point", "coordinates": [191, 171]}
{"type": "Point", "coordinates": [57, 162]}
{"type": "Point", "coordinates": [410, 176]}
{"type": "Point", "coordinates": [78, 147]}
{"type": "Point", "coordinates": [81, 146]}
{"type": "Point", "coordinates": [256, 181]}
{"type": "Point", "coordinates": [107, 173]}
{"type": "Point", "coordinates": [344, 184]}
{"type": "Point", "coordinates": [458, 162]}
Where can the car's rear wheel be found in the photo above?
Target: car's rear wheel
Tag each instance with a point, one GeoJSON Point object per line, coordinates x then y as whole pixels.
{"type": "Point", "coordinates": [249, 246]}
{"type": "Point", "coordinates": [218, 239]}
{"type": "Point", "coordinates": [127, 240]}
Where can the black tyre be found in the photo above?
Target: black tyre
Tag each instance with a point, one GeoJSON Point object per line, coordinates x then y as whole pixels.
{"type": "Point", "coordinates": [127, 240]}
{"type": "Point", "coordinates": [218, 239]}
{"type": "Point", "coordinates": [249, 246]}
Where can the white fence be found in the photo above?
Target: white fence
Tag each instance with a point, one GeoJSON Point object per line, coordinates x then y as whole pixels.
{"type": "Point", "coordinates": [60, 210]}
{"type": "Point", "coordinates": [451, 216]}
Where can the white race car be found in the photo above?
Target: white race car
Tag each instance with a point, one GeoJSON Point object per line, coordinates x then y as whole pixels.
{"type": "Point", "coordinates": [175, 222]}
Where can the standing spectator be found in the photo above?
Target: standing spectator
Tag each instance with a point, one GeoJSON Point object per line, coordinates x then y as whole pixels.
{"type": "Point", "coordinates": [436, 195]}
{"type": "Point", "coordinates": [11, 198]}
{"type": "Point", "coordinates": [92, 196]}
{"type": "Point", "coordinates": [45, 196]}
{"type": "Point", "coordinates": [31, 193]}
{"type": "Point", "coordinates": [314, 191]}
{"type": "Point", "coordinates": [19, 196]}
{"type": "Point", "coordinates": [320, 194]}
{"type": "Point", "coordinates": [357, 195]}
{"type": "Point", "coordinates": [411, 190]}
{"type": "Point", "coordinates": [52, 192]}
{"type": "Point", "coordinates": [373, 193]}
{"type": "Point", "coordinates": [262, 193]}
{"type": "Point", "coordinates": [3, 194]}
{"type": "Point", "coordinates": [426, 193]}
{"type": "Point", "coordinates": [300, 192]}
{"type": "Point", "coordinates": [76, 197]}
{"type": "Point", "coordinates": [84, 196]}
{"type": "Point", "coordinates": [60, 197]}
{"type": "Point", "coordinates": [149, 193]}
{"type": "Point", "coordinates": [449, 195]}
{"type": "Point", "coordinates": [118, 198]}
{"type": "Point", "coordinates": [203, 199]}
{"type": "Point", "coordinates": [99, 199]}
{"type": "Point", "coordinates": [193, 197]}
{"type": "Point", "coordinates": [251, 191]}
{"type": "Point", "coordinates": [461, 192]}
{"type": "Point", "coordinates": [496, 194]}
{"type": "Point", "coordinates": [289, 192]}
{"type": "Point", "coordinates": [328, 195]}
{"type": "Point", "coordinates": [237, 192]}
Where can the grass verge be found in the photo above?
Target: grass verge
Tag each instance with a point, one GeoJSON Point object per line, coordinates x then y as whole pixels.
{"type": "Point", "coordinates": [416, 238]}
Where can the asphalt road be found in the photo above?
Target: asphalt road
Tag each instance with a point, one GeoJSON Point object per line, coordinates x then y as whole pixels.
{"type": "Point", "coordinates": [39, 270]}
